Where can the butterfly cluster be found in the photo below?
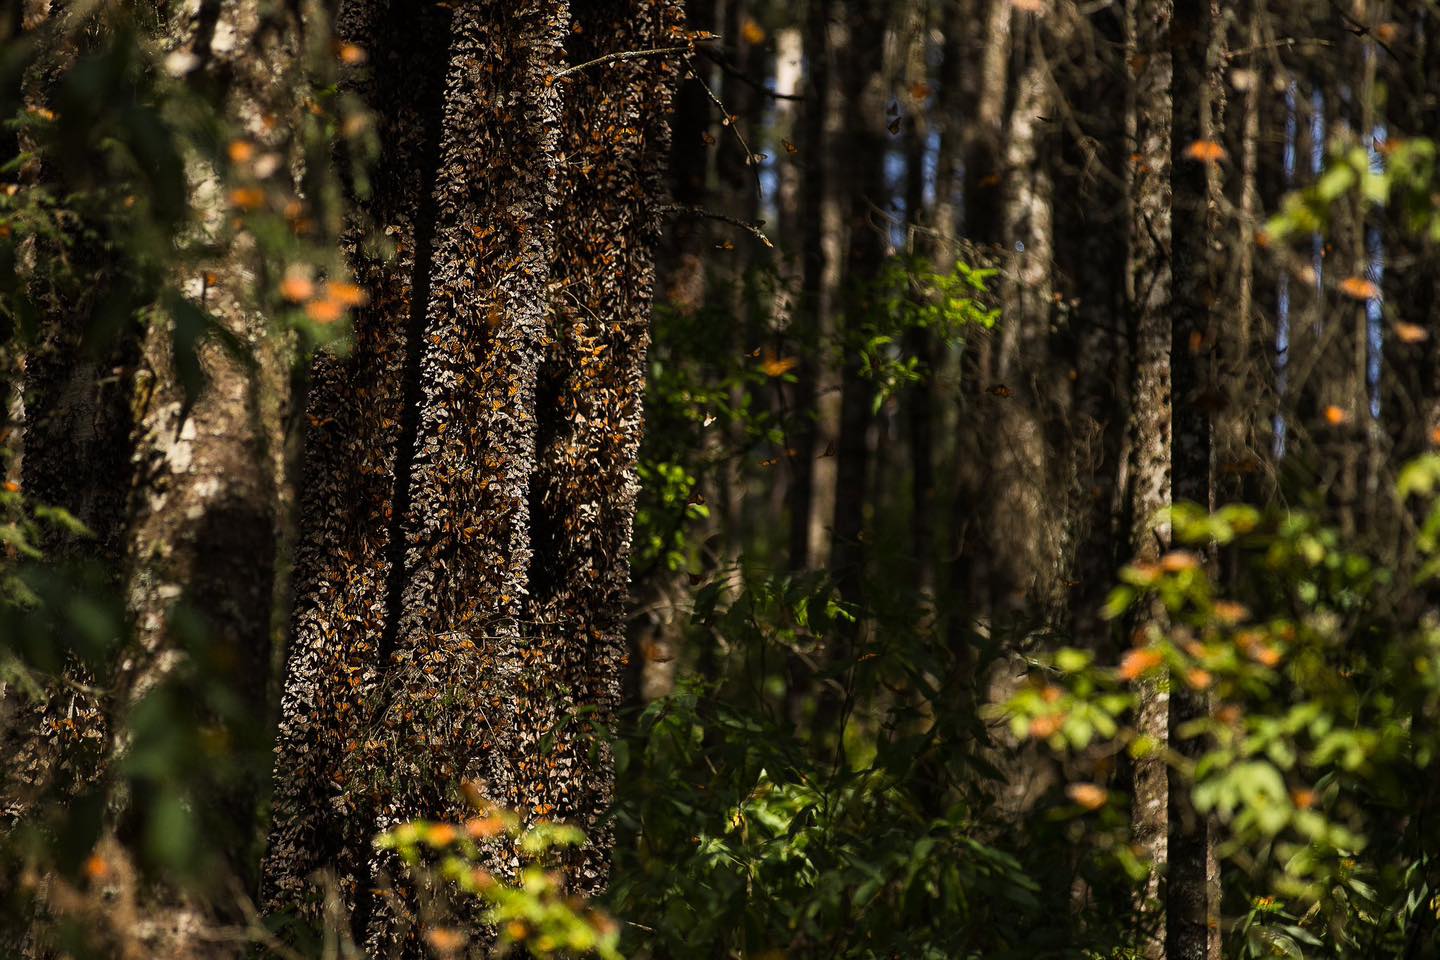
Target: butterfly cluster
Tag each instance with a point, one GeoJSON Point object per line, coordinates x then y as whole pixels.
{"type": "Point", "coordinates": [469, 480]}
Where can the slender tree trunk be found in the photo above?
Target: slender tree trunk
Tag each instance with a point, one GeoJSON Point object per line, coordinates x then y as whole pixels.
{"type": "Point", "coordinates": [1091, 246]}
{"type": "Point", "coordinates": [829, 16]}
{"type": "Point", "coordinates": [681, 280]}
{"type": "Point", "coordinates": [1411, 370]}
{"type": "Point", "coordinates": [1149, 473]}
{"type": "Point", "coordinates": [1241, 445]}
{"type": "Point", "coordinates": [984, 157]}
{"type": "Point", "coordinates": [861, 82]}
{"type": "Point", "coordinates": [1023, 541]}
{"type": "Point", "coordinates": [919, 341]}
{"type": "Point", "coordinates": [978, 145]}
{"type": "Point", "coordinates": [811, 310]}
{"type": "Point", "coordinates": [1188, 932]}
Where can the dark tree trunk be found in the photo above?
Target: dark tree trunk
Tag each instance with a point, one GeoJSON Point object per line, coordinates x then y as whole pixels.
{"type": "Point", "coordinates": [862, 84]}
{"type": "Point", "coordinates": [77, 434]}
{"type": "Point", "coordinates": [919, 341]}
{"type": "Point", "coordinates": [360, 417]}
{"type": "Point", "coordinates": [811, 309]}
{"type": "Point", "coordinates": [616, 135]}
{"type": "Point", "coordinates": [471, 475]}
{"type": "Point", "coordinates": [1148, 487]}
{"type": "Point", "coordinates": [1091, 229]}
{"type": "Point", "coordinates": [1188, 932]}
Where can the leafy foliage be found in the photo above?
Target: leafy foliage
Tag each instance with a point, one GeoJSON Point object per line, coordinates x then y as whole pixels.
{"type": "Point", "coordinates": [532, 912]}
{"type": "Point", "coordinates": [1320, 664]}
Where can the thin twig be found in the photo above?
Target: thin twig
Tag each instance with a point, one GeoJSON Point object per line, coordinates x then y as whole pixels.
{"type": "Point", "coordinates": [622, 55]}
{"type": "Point", "coordinates": [751, 227]}
{"type": "Point", "coordinates": [750, 155]}
{"type": "Point", "coordinates": [1281, 44]}
{"type": "Point", "coordinates": [723, 62]}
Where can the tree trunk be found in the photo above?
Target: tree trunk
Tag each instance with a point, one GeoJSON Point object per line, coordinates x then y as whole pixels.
{"type": "Point", "coordinates": [203, 524]}
{"type": "Point", "coordinates": [360, 416]}
{"type": "Point", "coordinates": [1188, 933]}
{"type": "Point", "coordinates": [471, 491]}
{"type": "Point", "coordinates": [1091, 230]}
{"type": "Point", "coordinates": [1149, 475]}
{"type": "Point", "coordinates": [582, 499]}
{"type": "Point", "coordinates": [811, 309]}
{"type": "Point", "coordinates": [1023, 541]}
{"type": "Point", "coordinates": [919, 341]}
{"type": "Point", "coordinates": [862, 85]}
{"type": "Point", "coordinates": [77, 429]}
{"type": "Point", "coordinates": [176, 468]}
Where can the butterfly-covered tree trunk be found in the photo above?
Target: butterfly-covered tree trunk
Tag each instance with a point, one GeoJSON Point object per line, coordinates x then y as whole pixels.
{"type": "Point", "coordinates": [470, 478]}
{"type": "Point", "coordinates": [415, 545]}
{"type": "Point", "coordinates": [349, 546]}
{"type": "Point", "coordinates": [616, 135]}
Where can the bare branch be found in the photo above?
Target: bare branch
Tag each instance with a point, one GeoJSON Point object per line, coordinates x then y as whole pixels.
{"type": "Point", "coordinates": [750, 227]}
{"type": "Point", "coordinates": [622, 55]}
{"type": "Point", "coordinates": [723, 62]}
{"type": "Point", "coordinates": [751, 158]}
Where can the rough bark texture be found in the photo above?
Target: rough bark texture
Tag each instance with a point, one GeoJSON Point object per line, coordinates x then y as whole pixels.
{"type": "Point", "coordinates": [1023, 541]}
{"type": "Point", "coordinates": [470, 479]}
{"type": "Point", "coordinates": [178, 481]}
{"type": "Point", "coordinates": [78, 424]}
{"type": "Point", "coordinates": [349, 544]}
{"type": "Point", "coordinates": [1187, 931]}
{"type": "Point", "coordinates": [1149, 476]}
{"type": "Point", "coordinates": [202, 530]}
{"type": "Point", "coordinates": [592, 382]}
{"type": "Point", "coordinates": [456, 655]}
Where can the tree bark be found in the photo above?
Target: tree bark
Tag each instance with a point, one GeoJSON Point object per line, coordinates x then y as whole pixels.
{"type": "Point", "coordinates": [811, 310]}
{"type": "Point", "coordinates": [1091, 231]}
{"type": "Point", "coordinates": [1188, 933]}
{"type": "Point", "coordinates": [78, 430]}
{"type": "Point", "coordinates": [582, 498]}
{"type": "Point", "coordinates": [862, 79]}
{"type": "Point", "coordinates": [472, 486]}
{"type": "Point", "coordinates": [1149, 474]}
{"type": "Point", "coordinates": [1023, 541]}
{"type": "Point", "coordinates": [350, 548]}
